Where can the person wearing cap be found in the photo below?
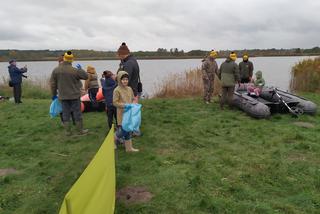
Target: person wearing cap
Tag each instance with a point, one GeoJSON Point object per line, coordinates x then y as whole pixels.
{"type": "Point", "coordinates": [66, 81]}
{"type": "Point", "coordinates": [229, 76]}
{"type": "Point", "coordinates": [209, 69]}
{"type": "Point", "coordinates": [130, 65]}
{"type": "Point", "coordinates": [246, 69]}
{"type": "Point", "coordinates": [16, 75]}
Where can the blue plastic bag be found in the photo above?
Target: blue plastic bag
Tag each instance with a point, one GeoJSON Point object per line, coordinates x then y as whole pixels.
{"type": "Point", "coordinates": [131, 119]}
{"type": "Point", "coordinates": [55, 108]}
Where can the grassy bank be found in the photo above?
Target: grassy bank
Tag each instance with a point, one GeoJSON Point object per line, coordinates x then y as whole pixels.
{"type": "Point", "coordinates": [36, 89]}
{"type": "Point", "coordinates": [194, 159]}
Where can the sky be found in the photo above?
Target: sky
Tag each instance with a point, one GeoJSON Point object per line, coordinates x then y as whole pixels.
{"type": "Point", "coordinates": [153, 24]}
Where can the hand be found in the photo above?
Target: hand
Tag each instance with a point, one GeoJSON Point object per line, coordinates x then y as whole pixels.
{"type": "Point", "coordinates": [54, 97]}
{"type": "Point", "coordinates": [78, 66]}
{"type": "Point", "coordinates": [127, 106]}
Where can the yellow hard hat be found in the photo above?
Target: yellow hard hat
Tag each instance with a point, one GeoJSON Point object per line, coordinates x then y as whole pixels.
{"type": "Point", "coordinates": [68, 56]}
{"type": "Point", "coordinates": [233, 56]}
{"type": "Point", "coordinates": [213, 54]}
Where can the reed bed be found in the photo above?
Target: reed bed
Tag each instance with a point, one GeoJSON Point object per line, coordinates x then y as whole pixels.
{"type": "Point", "coordinates": [305, 76]}
{"type": "Point", "coordinates": [31, 88]}
{"type": "Point", "coordinates": [187, 84]}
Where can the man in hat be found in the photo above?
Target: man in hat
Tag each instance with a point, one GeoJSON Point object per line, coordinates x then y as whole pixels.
{"type": "Point", "coordinates": [130, 65]}
{"type": "Point", "coordinates": [229, 76]}
{"type": "Point", "coordinates": [246, 69]}
{"type": "Point", "coordinates": [209, 70]}
{"type": "Point", "coordinates": [16, 75]}
{"type": "Point", "coordinates": [66, 81]}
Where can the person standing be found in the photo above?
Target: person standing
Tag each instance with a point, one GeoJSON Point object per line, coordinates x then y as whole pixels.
{"type": "Point", "coordinates": [92, 85]}
{"type": "Point", "coordinates": [209, 70]}
{"type": "Point", "coordinates": [229, 76]}
{"type": "Point", "coordinates": [246, 69]}
{"type": "Point", "coordinates": [16, 75]}
{"type": "Point", "coordinates": [123, 95]}
{"type": "Point", "coordinates": [66, 81]}
{"type": "Point", "coordinates": [130, 65]}
{"type": "Point", "coordinates": [108, 85]}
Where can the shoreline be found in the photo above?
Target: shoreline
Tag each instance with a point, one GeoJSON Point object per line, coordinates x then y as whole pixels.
{"type": "Point", "coordinates": [151, 58]}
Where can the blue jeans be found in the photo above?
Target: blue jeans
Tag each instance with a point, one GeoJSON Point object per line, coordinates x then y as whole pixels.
{"type": "Point", "coordinates": [123, 134]}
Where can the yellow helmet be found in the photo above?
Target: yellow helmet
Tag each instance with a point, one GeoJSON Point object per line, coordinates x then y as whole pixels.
{"type": "Point", "coordinates": [213, 54]}
{"type": "Point", "coordinates": [233, 56]}
{"type": "Point", "coordinates": [68, 56]}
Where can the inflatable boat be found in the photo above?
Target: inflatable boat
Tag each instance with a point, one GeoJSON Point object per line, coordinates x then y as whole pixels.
{"type": "Point", "coordinates": [271, 100]}
{"type": "Point", "coordinates": [87, 105]}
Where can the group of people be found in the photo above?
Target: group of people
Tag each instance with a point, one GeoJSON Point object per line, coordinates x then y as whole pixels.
{"type": "Point", "coordinates": [119, 90]}
{"type": "Point", "coordinates": [230, 74]}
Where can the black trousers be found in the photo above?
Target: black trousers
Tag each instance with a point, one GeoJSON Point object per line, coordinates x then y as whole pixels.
{"type": "Point", "coordinates": [17, 93]}
{"type": "Point", "coordinates": [71, 108]}
{"type": "Point", "coordinates": [245, 80]}
{"type": "Point", "coordinates": [112, 113]}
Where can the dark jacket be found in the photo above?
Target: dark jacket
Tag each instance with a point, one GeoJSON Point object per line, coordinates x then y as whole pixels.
{"type": "Point", "coordinates": [108, 87]}
{"type": "Point", "coordinates": [229, 73]}
{"type": "Point", "coordinates": [130, 65]}
{"type": "Point", "coordinates": [246, 69]}
{"type": "Point", "coordinates": [67, 80]}
{"type": "Point", "coordinates": [16, 74]}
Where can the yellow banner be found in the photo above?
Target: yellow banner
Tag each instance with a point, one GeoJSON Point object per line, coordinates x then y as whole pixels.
{"type": "Point", "coordinates": [94, 191]}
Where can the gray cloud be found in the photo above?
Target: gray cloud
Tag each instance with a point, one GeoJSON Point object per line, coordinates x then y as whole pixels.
{"type": "Point", "coordinates": [149, 24]}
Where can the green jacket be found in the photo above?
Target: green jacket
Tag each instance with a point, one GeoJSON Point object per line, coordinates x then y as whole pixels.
{"type": "Point", "coordinates": [121, 95]}
{"type": "Point", "coordinates": [229, 73]}
{"type": "Point", "coordinates": [246, 69]}
{"type": "Point", "coordinates": [66, 80]}
{"type": "Point", "coordinates": [259, 82]}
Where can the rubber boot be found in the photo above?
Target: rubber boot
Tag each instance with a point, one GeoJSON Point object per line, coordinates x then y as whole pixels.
{"type": "Point", "coordinates": [79, 126]}
{"type": "Point", "coordinates": [128, 146]}
{"type": "Point", "coordinates": [67, 128]}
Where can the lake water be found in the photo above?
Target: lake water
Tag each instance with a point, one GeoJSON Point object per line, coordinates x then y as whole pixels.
{"type": "Point", "coordinates": [276, 70]}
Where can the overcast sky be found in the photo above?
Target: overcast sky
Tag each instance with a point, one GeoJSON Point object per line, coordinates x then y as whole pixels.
{"type": "Point", "coordinates": [152, 24]}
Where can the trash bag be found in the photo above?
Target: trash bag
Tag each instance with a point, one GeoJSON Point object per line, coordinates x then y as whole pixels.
{"type": "Point", "coordinates": [131, 119]}
{"type": "Point", "coordinates": [55, 108]}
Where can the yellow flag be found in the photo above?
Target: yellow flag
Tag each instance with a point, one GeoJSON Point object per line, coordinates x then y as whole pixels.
{"type": "Point", "coordinates": [94, 191]}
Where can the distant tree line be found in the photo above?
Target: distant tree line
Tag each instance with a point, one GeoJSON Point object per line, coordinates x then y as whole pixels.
{"type": "Point", "coordinates": [160, 53]}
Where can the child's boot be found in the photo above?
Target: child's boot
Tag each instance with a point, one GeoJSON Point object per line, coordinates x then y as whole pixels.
{"type": "Point", "coordinates": [128, 146]}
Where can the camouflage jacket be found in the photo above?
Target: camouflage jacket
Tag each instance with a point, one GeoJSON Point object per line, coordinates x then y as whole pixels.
{"type": "Point", "coordinates": [209, 66]}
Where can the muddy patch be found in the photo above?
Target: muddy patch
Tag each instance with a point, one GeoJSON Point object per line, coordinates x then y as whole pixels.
{"type": "Point", "coordinates": [9, 171]}
{"type": "Point", "coordinates": [304, 125]}
{"type": "Point", "coordinates": [132, 195]}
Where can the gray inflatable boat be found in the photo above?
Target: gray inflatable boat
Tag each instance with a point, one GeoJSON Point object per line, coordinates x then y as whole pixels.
{"type": "Point", "coordinates": [271, 100]}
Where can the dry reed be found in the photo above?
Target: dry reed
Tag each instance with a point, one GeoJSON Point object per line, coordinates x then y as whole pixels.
{"type": "Point", "coordinates": [305, 76]}
{"type": "Point", "coordinates": [187, 84]}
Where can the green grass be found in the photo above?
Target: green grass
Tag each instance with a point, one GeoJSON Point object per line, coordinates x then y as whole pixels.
{"type": "Point", "coordinates": [193, 159]}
